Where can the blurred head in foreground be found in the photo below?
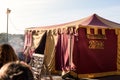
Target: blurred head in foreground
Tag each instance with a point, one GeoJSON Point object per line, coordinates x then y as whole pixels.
{"type": "Point", "coordinates": [16, 71]}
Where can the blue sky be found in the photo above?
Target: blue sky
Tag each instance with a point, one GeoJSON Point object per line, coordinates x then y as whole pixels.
{"type": "Point", "coordinates": [35, 13]}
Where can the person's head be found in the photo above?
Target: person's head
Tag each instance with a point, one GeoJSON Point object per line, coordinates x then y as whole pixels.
{"type": "Point", "coordinates": [7, 54]}
{"type": "Point", "coordinates": [16, 71]}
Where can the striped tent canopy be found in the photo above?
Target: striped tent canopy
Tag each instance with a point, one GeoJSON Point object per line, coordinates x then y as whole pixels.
{"type": "Point", "coordinates": [91, 21]}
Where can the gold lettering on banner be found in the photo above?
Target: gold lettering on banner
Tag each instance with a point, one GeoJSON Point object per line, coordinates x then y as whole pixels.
{"type": "Point", "coordinates": [96, 44]}
{"type": "Point", "coordinates": [96, 36]}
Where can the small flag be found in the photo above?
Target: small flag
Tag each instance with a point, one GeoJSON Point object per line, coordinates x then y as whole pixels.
{"type": "Point", "coordinates": [8, 10]}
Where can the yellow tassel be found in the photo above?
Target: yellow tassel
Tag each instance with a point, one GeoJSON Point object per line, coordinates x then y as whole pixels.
{"type": "Point", "coordinates": [116, 31]}
{"type": "Point", "coordinates": [88, 30]}
{"type": "Point", "coordinates": [103, 31]}
{"type": "Point", "coordinates": [96, 30]}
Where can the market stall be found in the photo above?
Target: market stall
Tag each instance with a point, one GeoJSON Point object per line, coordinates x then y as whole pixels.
{"type": "Point", "coordinates": [86, 48]}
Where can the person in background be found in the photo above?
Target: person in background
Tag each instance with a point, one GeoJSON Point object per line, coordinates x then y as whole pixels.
{"type": "Point", "coordinates": [21, 56]}
{"type": "Point", "coordinates": [7, 54]}
{"type": "Point", "coordinates": [16, 70]}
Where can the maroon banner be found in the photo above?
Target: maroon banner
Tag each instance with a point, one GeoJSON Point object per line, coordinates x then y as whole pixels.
{"type": "Point", "coordinates": [96, 53]}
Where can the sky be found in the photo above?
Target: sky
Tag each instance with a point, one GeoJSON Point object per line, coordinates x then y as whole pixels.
{"type": "Point", "coordinates": [36, 13]}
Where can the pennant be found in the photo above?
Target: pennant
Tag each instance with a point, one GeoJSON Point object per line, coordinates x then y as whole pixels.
{"type": "Point", "coordinates": [8, 11]}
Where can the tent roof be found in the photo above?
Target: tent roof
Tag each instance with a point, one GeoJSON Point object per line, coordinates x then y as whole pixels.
{"type": "Point", "coordinates": [93, 21]}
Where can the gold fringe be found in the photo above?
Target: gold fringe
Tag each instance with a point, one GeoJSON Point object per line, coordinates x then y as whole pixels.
{"type": "Point", "coordinates": [95, 30]}
{"type": "Point", "coordinates": [116, 31]}
{"type": "Point", "coordinates": [118, 51]}
{"type": "Point", "coordinates": [103, 31]}
{"type": "Point", "coordinates": [94, 75]}
{"type": "Point", "coordinates": [88, 30]}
